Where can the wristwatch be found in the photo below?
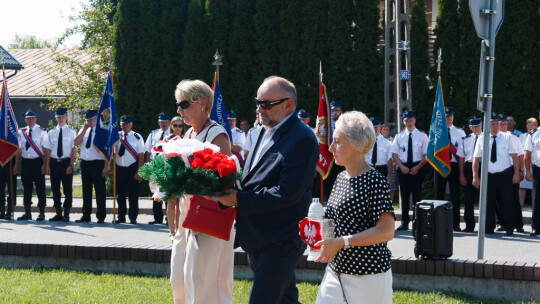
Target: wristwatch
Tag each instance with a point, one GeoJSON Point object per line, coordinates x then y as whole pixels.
{"type": "Point", "coordinates": [346, 241]}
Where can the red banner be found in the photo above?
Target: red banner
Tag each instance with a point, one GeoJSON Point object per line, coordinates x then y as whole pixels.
{"type": "Point", "coordinates": [323, 132]}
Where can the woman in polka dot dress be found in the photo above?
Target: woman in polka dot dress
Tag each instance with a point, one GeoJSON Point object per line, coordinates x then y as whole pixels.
{"type": "Point", "coordinates": [359, 259]}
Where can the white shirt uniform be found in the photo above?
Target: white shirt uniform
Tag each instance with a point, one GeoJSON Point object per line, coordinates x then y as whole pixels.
{"type": "Point", "coordinates": [155, 136]}
{"type": "Point", "coordinates": [238, 137]}
{"type": "Point", "coordinates": [533, 145]}
{"type": "Point", "coordinates": [419, 144]}
{"type": "Point", "coordinates": [68, 136]}
{"type": "Point", "coordinates": [383, 151]}
{"type": "Point", "coordinates": [136, 142]}
{"type": "Point", "coordinates": [456, 134]}
{"type": "Point", "coordinates": [466, 149]}
{"type": "Point", "coordinates": [89, 153]}
{"type": "Point", "coordinates": [39, 137]}
{"type": "Point", "coordinates": [505, 147]}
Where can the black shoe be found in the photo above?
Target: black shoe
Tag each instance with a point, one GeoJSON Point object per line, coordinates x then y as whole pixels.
{"type": "Point", "coordinates": [155, 222]}
{"type": "Point", "coordinates": [510, 232]}
{"type": "Point", "coordinates": [470, 230]}
{"type": "Point", "coordinates": [535, 232]}
{"type": "Point", "coordinates": [133, 222]}
{"type": "Point", "coordinates": [403, 227]}
{"type": "Point", "coordinates": [457, 229]}
{"type": "Point", "coordinates": [120, 220]}
{"type": "Point", "coordinates": [101, 221]}
{"type": "Point", "coordinates": [25, 217]}
{"type": "Point", "coordinates": [65, 218]}
{"type": "Point", "coordinates": [520, 230]}
{"type": "Point", "coordinates": [41, 217]}
{"type": "Point", "coordinates": [56, 218]}
{"type": "Point", "coordinates": [83, 219]}
{"type": "Point", "coordinates": [8, 217]}
{"type": "Point", "coordinates": [490, 232]}
{"type": "Point", "coordinates": [500, 228]}
{"type": "Point", "coordinates": [2, 216]}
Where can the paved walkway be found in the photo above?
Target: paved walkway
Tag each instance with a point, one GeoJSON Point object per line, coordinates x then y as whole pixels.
{"type": "Point", "coordinates": [519, 247]}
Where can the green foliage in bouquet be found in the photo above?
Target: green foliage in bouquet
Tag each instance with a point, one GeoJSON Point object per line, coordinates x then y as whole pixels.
{"type": "Point", "coordinates": [175, 179]}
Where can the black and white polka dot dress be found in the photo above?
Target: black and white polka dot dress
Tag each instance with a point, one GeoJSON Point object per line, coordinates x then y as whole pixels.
{"type": "Point", "coordinates": [355, 205]}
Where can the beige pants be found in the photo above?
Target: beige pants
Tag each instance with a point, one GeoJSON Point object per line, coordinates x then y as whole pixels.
{"type": "Point", "coordinates": [201, 267]}
{"type": "Point", "coordinates": [375, 288]}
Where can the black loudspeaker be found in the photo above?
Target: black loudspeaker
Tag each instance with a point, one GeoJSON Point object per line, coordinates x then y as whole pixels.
{"type": "Point", "coordinates": [432, 229]}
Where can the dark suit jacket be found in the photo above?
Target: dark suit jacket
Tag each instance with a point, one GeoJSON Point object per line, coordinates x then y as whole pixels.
{"type": "Point", "coordinates": [277, 192]}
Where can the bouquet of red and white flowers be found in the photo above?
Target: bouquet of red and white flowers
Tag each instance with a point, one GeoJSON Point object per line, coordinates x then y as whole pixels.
{"type": "Point", "coordinates": [188, 166]}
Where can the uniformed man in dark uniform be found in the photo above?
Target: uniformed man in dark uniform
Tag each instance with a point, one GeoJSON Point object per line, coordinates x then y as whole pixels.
{"type": "Point", "coordinates": [164, 121]}
{"type": "Point", "coordinates": [503, 169]}
{"type": "Point", "coordinates": [61, 153]}
{"type": "Point", "coordinates": [409, 154]}
{"type": "Point", "coordinates": [305, 117]}
{"type": "Point", "coordinates": [455, 136]}
{"type": "Point", "coordinates": [32, 140]}
{"type": "Point", "coordinates": [466, 156]}
{"type": "Point", "coordinates": [130, 157]}
{"type": "Point", "coordinates": [238, 137]}
{"type": "Point", "coordinates": [11, 183]}
{"type": "Point", "coordinates": [94, 170]}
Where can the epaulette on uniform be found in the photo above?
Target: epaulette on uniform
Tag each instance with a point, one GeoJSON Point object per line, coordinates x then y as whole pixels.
{"type": "Point", "coordinates": [137, 136]}
{"type": "Point", "coordinates": [532, 132]}
{"type": "Point", "coordinates": [467, 136]}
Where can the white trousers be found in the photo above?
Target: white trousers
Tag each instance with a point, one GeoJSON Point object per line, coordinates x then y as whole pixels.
{"type": "Point", "coordinates": [375, 288]}
{"type": "Point", "coordinates": [201, 267]}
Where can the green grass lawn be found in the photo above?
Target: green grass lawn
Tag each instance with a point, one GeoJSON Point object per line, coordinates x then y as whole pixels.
{"type": "Point", "coordinates": [63, 286]}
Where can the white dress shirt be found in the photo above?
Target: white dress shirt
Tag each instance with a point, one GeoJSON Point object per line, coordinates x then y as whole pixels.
{"type": "Point", "coordinates": [505, 147]}
{"type": "Point", "coordinates": [466, 149]}
{"type": "Point", "coordinates": [383, 151]}
{"type": "Point", "coordinates": [89, 153]}
{"type": "Point", "coordinates": [532, 144]}
{"type": "Point", "coordinates": [456, 135]}
{"type": "Point", "coordinates": [68, 136]}
{"type": "Point", "coordinates": [153, 138]}
{"type": "Point", "coordinates": [39, 137]}
{"type": "Point", "coordinates": [269, 132]}
{"type": "Point", "coordinates": [419, 144]}
{"type": "Point", "coordinates": [137, 144]}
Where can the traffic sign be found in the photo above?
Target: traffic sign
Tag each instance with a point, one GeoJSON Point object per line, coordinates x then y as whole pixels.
{"type": "Point", "coordinates": [404, 74]}
{"type": "Point", "coordinates": [480, 12]}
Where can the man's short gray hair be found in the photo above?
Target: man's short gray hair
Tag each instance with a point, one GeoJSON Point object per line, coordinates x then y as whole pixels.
{"type": "Point", "coordinates": [284, 85]}
{"type": "Point", "coordinates": [358, 129]}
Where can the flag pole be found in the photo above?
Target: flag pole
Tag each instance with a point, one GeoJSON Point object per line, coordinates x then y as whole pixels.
{"type": "Point", "coordinates": [439, 62]}
{"type": "Point", "coordinates": [114, 158]}
{"type": "Point", "coordinates": [12, 196]}
{"type": "Point", "coordinates": [321, 177]}
{"type": "Point", "coordinates": [217, 62]}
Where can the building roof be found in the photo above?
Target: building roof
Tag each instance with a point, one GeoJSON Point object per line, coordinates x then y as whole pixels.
{"type": "Point", "coordinates": [10, 62]}
{"type": "Point", "coordinates": [32, 80]}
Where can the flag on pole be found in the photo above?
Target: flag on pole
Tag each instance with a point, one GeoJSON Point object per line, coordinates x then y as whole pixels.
{"type": "Point", "coordinates": [438, 154]}
{"type": "Point", "coordinates": [219, 113]}
{"type": "Point", "coordinates": [106, 135]}
{"type": "Point", "coordinates": [9, 143]}
{"type": "Point", "coordinates": [324, 130]}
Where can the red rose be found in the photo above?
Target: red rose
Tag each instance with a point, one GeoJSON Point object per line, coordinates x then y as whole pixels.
{"type": "Point", "coordinates": [198, 154]}
{"type": "Point", "coordinates": [223, 170]}
{"type": "Point", "coordinates": [207, 165]}
{"type": "Point", "coordinates": [207, 151]}
{"type": "Point", "coordinates": [207, 158]}
{"type": "Point", "coordinates": [196, 163]}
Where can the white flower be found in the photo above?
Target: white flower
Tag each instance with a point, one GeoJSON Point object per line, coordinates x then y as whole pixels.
{"type": "Point", "coordinates": [186, 147]}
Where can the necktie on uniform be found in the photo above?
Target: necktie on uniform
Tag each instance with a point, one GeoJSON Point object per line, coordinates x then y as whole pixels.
{"type": "Point", "coordinates": [450, 141]}
{"type": "Point", "coordinates": [494, 150]}
{"type": "Point", "coordinates": [475, 142]}
{"type": "Point", "coordinates": [122, 147]}
{"type": "Point", "coordinates": [409, 151]}
{"type": "Point", "coordinates": [89, 140]}
{"type": "Point", "coordinates": [162, 134]}
{"type": "Point", "coordinates": [60, 150]}
{"type": "Point", "coordinates": [374, 154]}
{"type": "Point", "coordinates": [29, 136]}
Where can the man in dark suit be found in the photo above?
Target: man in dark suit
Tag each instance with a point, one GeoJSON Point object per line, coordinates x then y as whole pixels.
{"type": "Point", "coordinates": [276, 194]}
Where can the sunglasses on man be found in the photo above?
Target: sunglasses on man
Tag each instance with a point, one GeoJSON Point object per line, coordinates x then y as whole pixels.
{"type": "Point", "coordinates": [268, 104]}
{"type": "Point", "coordinates": [184, 104]}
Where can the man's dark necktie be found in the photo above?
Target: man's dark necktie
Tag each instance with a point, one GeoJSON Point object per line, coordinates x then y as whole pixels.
{"type": "Point", "coordinates": [89, 140]}
{"type": "Point", "coordinates": [29, 136]}
{"type": "Point", "coordinates": [122, 147]}
{"type": "Point", "coordinates": [494, 150]}
{"type": "Point", "coordinates": [409, 151]}
{"type": "Point", "coordinates": [475, 143]}
{"type": "Point", "coordinates": [60, 151]}
{"type": "Point", "coordinates": [374, 154]}
{"type": "Point", "coordinates": [162, 134]}
{"type": "Point", "coordinates": [450, 141]}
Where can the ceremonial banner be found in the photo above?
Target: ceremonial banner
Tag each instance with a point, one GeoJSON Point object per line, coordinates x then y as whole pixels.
{"type": "Point", "coordinates": [438, 154]}
{"type": "Point", "coordinates": [219, 113]}
{"type": "Point", "coordinates": [9, 143]}
{"type": "Point", "coordinates": [324, 130]}
{"type": "Point", "coordinates": [106, 135]}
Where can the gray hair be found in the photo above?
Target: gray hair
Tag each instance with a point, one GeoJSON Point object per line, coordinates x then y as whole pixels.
{"type": "Point", "coordinates": [358, 129]}
{"type": "Point", "coordinates": [195, 91]}
{"type": "Point", "coordinates": [285, 86]}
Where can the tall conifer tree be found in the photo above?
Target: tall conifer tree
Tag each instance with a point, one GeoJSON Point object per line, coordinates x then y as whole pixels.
{"type": "Point", "coordinates": [195, 62]}
{"type": "Point", "coordinates": [266, 56]}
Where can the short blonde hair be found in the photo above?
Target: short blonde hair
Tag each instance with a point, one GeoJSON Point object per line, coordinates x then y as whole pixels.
{"type": "Point", "coordinates": [358, 129]}
{"type": "Point", "coordinates": [533, 121]}
{"type": "Point", "coordinates": [195, 91]}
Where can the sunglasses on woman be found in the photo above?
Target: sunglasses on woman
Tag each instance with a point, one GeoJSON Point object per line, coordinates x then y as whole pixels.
{"type": "Point", "coordinates": [177, 126]}
{"type": "Point", "coordinates": [184, 104]}
{"type": "Point", "coordinates": [268, 104]}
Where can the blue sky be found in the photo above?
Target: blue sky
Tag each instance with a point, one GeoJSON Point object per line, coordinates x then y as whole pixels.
{"type": "Point", "coordinates": [45, 19]}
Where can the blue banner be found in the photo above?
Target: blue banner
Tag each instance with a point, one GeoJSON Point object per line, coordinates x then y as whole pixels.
{"type": "Point", "coordinates": [438, 154]}
{"type": "Point", "coordinates": [106, 134]}
{"type": "Point", "coordinates": [219, 113]}
{"type": "Point", "coordinates": [9, 142]}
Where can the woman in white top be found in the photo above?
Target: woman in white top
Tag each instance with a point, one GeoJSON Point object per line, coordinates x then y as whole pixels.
{"type": "Point", "coordinates": [201, 264]}
{"type": "Point", "coordinates": [525, 185]}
